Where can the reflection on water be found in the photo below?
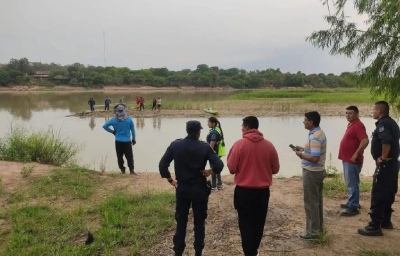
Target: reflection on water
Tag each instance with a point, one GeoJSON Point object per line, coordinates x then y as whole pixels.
{"type": "Point", "coordinates": [23, 104]}
{"type": "Point", "coordinates": [157, 122]}
{"type": "Point", "coordinates": [92, 123]}
{"type": "Point", "coordinates": [153, 141]}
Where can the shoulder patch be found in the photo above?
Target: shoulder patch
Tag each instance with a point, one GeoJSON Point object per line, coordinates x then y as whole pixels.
{"type": "Point", "coordinates": [381, 129]}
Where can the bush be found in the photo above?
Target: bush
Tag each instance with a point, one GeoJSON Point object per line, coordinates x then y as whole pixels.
{"type": "Point", "coordinates": [43, 147]}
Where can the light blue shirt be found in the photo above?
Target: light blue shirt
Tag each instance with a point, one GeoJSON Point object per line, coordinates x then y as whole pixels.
{"type": "Point", "coordinates": [123, 129]}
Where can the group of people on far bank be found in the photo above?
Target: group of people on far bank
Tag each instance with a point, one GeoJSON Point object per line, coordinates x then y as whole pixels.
{"type": "Point", "coordinates": [253, 160]}
{"type": "Point", "coordinates": [139, 103]}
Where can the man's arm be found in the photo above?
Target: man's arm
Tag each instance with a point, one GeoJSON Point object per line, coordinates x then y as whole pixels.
{"type": "Point", "coordinates": [165, 162]}
{"type": "Point", "coordinates": [132, 127]}
{"type": "Point", "coordinates": [363, 144]}
{"type": "Point", "coordinates": [315, 148]}
{"type": "Point", "coordinates": [107, 125]}
{"type": "Point", "coordinates": [233, 159]}
{"type": "Point", "coordinates": [215, 161]}
{"type": "Point", "coordinates": [385, 134]}
{"type": "Point", "coordinates": [275, 166]}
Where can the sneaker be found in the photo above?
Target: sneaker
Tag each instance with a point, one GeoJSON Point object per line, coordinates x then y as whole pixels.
{"type": "Point", "coordinates": [349, 212]}
{"type": "Point", "coordinates": [220, 187]}
{"type": "Point", "coordinates": [344, 206]}
{"type": "Point", "coordinates": [370, 231]}
{"type": "Point", "coordinates": [309, 237]}
{"type": "Point", "coordinates": [387, 225]}
{"type": "Point", "coordinates": [214, 189]}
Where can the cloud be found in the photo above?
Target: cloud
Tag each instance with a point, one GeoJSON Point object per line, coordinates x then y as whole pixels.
{"type": "Point", "coordinates": [177, 34]}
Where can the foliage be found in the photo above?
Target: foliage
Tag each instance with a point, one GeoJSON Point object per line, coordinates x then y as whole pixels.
{"type": "Point", "coordinates": [326, 95]}
{"type": "Point", "coordinates": [43, 147]}
{"type": "Point", "coordinates": [377, 47]}
{"type": "Point", "coordinates": [68, 208]}
{"type": "Point", "coordinates": [19, 71]}
{"type": "Point", "coordinates": [27, 170]}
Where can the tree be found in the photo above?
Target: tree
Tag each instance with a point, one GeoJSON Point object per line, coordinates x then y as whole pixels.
{"type": "Point", "coordinates": [378, 43]}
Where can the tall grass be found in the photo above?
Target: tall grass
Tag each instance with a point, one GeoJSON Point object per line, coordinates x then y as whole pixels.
{"type": "Point", "coordinates": [325, 95]}
{"type": "Point", "coordinates": [47, 147]}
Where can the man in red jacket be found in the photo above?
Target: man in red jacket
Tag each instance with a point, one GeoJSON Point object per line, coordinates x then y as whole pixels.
{"type": "Point", "coordinates": [253, 160]}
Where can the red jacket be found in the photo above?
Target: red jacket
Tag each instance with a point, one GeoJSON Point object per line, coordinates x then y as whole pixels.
{"type": "Point", "coordinates": [253, 160]}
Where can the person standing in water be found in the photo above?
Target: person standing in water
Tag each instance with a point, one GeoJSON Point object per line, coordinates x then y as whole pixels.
{"type": "Point", "coordinates": [91, 103]}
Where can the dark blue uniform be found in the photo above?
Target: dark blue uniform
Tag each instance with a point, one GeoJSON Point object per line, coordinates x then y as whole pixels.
{"type": "Point", "coordinates": [190, 157]}
{"type": "Point", "coordinates": [386, 175]}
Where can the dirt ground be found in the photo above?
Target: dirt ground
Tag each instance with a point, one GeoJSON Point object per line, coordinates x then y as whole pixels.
{"type": "Point", "coordinates": [285, 219]}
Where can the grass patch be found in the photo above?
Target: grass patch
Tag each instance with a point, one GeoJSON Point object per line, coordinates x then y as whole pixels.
{"type": "Point", "coordinates": [121, 222]}
{"type": "Point", "coordinates": [325, 95]}
{"type": "Point", "coordinates": [47, 147]}
{"type": "Point", "coordinates": [134, 221]}
{"type": "Point", "coordinates": [73, 183]}
{"type": "Point", "coordinates": [368, 252]}
{"type": "Point", "coordinates": [335, 186]}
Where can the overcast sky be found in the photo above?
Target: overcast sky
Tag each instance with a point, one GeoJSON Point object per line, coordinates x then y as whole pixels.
{"type": "Point", "coordinates": [177, 34]}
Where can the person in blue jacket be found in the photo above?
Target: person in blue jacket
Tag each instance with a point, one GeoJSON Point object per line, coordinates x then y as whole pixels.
{"type": "Point", "coordinates": [125, 136]}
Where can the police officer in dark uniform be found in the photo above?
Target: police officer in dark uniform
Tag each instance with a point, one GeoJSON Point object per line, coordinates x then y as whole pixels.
{"type": "Point", "coordinates": [385, 151]}
{"type": "Point", "coordinates": [190, 158]}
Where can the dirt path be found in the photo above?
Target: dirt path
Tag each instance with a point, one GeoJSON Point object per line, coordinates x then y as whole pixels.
{"type": "Point", "coordinates": [286, 218]}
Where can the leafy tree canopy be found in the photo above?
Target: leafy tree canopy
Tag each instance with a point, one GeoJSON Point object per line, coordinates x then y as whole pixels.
{"type": "Point", "coordinates": [377, 47]}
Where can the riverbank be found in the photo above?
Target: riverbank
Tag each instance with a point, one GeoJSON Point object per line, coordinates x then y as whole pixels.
{"type": "Point", "coordinates": [76, 195]}
{"type": "Point", "coordinates": [270, 107]}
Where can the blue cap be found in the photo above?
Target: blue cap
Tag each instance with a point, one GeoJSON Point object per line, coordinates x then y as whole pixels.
{"type": "Point", "coordinates": [193, 126]}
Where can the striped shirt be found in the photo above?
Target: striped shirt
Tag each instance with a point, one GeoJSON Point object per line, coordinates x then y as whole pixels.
{"type": "Point", "coordinates": [315, 146]}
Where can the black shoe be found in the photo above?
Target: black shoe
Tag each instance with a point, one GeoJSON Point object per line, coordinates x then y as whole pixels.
{"type": "Point", "coordinates": [349, 212]}
{"type": "Point", "coordinates": [387, 225]}
{"type": "Point", "coordinates": [370, 231]}
{"type": "Point", "coordinates": [133, 173]}
{"type": "Point", "coordinates": [344, 206]}
{"type": "Point", "coordinates": [123, 171]}
{"type": "Point", "coordinates": [309, 237]}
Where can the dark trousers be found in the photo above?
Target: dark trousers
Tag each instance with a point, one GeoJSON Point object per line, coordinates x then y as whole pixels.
{"type": "Point", "coordinates": [384, 189]}
{"type": "Point", "coordinates": [196, 197]}
{"type": "Point", "coordinates": [91, 107]}
{"type": "Point", "coordinates": [124, 148]}
{"type": "Point", "coordinates": [154, 106]}
{"type": "Point", "coordinates": [252, 207]}
{"type": "Point", "coordinates": [141, 106]}
{"type": "Point", "coordinates": [106, 107]}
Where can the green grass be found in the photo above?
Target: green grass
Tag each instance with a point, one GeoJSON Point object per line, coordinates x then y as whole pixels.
{"type": "Point", "coordinates": [369, 252]}
{"type": "Point", "coordinates": [72, 183]}
{"type": "Point", "coordinates": [326, 95]}
{"type": "Point", "coordinates": [47, 147]}
{"type": "Point", "coordinates": [54, 214]}
{"type": "Point", "coordinates": [335, 186]}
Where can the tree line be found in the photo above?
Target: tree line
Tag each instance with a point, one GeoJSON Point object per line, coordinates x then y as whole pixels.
{"type": "Point", "coordinates": [21, 71]}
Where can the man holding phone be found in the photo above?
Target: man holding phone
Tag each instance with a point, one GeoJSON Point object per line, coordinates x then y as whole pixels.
{"type": "Point", "coordinates": [313, 156]}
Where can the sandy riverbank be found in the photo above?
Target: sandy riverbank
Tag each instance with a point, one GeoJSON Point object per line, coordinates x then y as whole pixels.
{"type": "Point", "coordinates": [244, 108]}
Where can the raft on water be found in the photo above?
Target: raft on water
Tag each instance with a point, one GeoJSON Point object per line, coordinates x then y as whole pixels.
{"type": "Point", "coordinates": [211, 111]}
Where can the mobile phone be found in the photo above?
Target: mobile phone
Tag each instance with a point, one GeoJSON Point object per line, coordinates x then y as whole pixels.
{"type": "Point", "coordinates": [292, 147]}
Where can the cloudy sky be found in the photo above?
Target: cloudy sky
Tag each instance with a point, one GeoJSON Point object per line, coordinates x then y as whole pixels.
{"type": "Point", "coordinates": [177, 34]}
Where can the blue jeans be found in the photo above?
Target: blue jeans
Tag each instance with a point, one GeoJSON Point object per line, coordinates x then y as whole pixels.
{"type": "Point", "coordinates": [352, 178]}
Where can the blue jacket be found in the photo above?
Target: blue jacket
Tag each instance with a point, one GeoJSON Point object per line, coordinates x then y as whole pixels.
{"type": "Point", "coordinates": [123, 129]}
{"type": "Point", "coordinates": [190, 157]}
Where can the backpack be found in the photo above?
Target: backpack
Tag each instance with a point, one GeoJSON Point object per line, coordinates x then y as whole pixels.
{"type": "Point", "coordinates": [221, 150]}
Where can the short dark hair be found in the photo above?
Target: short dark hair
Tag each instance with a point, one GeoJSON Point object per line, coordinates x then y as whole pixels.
{"type": "Point", "coordinates": [314, 117]}
{"type": "Point", "coordinates": [251, 122]}
{"type": "Point", "coordinates": [354, 108]}
{"type": "Point", "coordinates": [384, 107]}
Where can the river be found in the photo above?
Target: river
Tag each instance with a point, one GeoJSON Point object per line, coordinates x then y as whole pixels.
{"type": "Point", "coordinates": [39, 110]}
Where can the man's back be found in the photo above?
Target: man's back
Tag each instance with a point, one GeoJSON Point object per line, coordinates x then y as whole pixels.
{"type": "Point", "coordinates": [254, 159]}
{"type": "Point", "coordinates": [190, 157]}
